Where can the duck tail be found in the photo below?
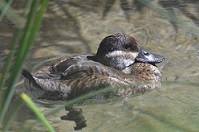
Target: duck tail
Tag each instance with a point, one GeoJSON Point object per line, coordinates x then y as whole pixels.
{"type": "Point", "coordinates": [30, 77]}
{"type": "Point", "coordinates": [27, 74]}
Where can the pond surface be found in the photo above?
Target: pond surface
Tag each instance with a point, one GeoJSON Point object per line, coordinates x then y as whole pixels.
{"type": "Point", "coordinates": [75, 26]}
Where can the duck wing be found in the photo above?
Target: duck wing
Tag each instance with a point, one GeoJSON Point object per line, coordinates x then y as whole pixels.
{"type": "Point", "coordinates": [61, 64]}
{"type": "Point", "coordinates": [90, 68]}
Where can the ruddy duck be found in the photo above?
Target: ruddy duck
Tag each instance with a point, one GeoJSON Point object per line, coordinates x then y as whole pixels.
{"type": "Point", "coordinates": [120, 60]}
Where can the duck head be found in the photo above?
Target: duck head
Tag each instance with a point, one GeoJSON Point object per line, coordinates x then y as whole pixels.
{"type": "Point", "coordinates": [121, 50]}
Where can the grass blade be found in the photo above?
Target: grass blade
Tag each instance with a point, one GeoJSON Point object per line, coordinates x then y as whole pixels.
{"type": "Point", "coordinates": [12, 112]}
{"type": "Point", "coordinates": [27, 38]}
{"type": "Point", "coordinates": [34, 108]}
{"type": "Point", "coordinates": [18, 63]}
{"type": "Point", "coordinates": [11, 13]}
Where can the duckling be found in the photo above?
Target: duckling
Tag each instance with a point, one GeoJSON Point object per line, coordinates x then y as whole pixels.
{"type": "Point", "coordinates": [120, 60]}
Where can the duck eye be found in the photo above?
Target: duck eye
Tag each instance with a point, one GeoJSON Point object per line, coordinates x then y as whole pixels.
{"type": "Point", "coordinates": [146, 53]}
{"type": "Point", "coordinates": [128, 47]}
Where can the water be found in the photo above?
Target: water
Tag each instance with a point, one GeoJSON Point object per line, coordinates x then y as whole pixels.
{"type": "Point", "coordinates": [75, 27]}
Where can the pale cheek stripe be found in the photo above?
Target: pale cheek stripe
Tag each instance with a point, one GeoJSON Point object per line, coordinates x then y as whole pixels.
{"type": "Point", "coordinates": [121, 53]}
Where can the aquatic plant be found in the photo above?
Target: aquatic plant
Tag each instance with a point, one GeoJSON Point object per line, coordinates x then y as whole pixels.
{"type": "Point", "coordinates": [27, 26]}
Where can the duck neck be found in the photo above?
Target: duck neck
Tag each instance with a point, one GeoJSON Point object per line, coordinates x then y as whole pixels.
{"type": "Point", "coordinates": [118, 63]}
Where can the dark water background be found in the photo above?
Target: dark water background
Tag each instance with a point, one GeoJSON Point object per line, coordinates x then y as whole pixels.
{"type": "Point", "coordinates": [75, 26]}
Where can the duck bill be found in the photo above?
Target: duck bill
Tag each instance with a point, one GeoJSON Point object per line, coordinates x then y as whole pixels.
{"type": "Point", "coordinates": [146, 57]}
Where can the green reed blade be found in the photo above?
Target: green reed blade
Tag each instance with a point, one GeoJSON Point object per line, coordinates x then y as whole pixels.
{"type": "Point", "coordinates": [38, 20]}
{"type": "Point", "coordinates": [17, 105]}
{"type": "Point", "coordinates": [13, 46]}
{"type": "Point", "coordinates": [27, 7]}
{"type": "Point", "coordinates": [19, 62]}
{"type": "Point", "coordinates": [9, 60]}
{"type": "Point", "coordinates": [28, 37]}
{"type": "Point", "coordinates": [11, 13]}
{"type": "Point", "coordinates": [34, 108]}
{"type": "Point", "coordinates": [5, 9]}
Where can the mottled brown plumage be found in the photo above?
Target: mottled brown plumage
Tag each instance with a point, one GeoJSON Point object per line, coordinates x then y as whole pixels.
{"type": "Point", "coordinates": [125, 64]}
